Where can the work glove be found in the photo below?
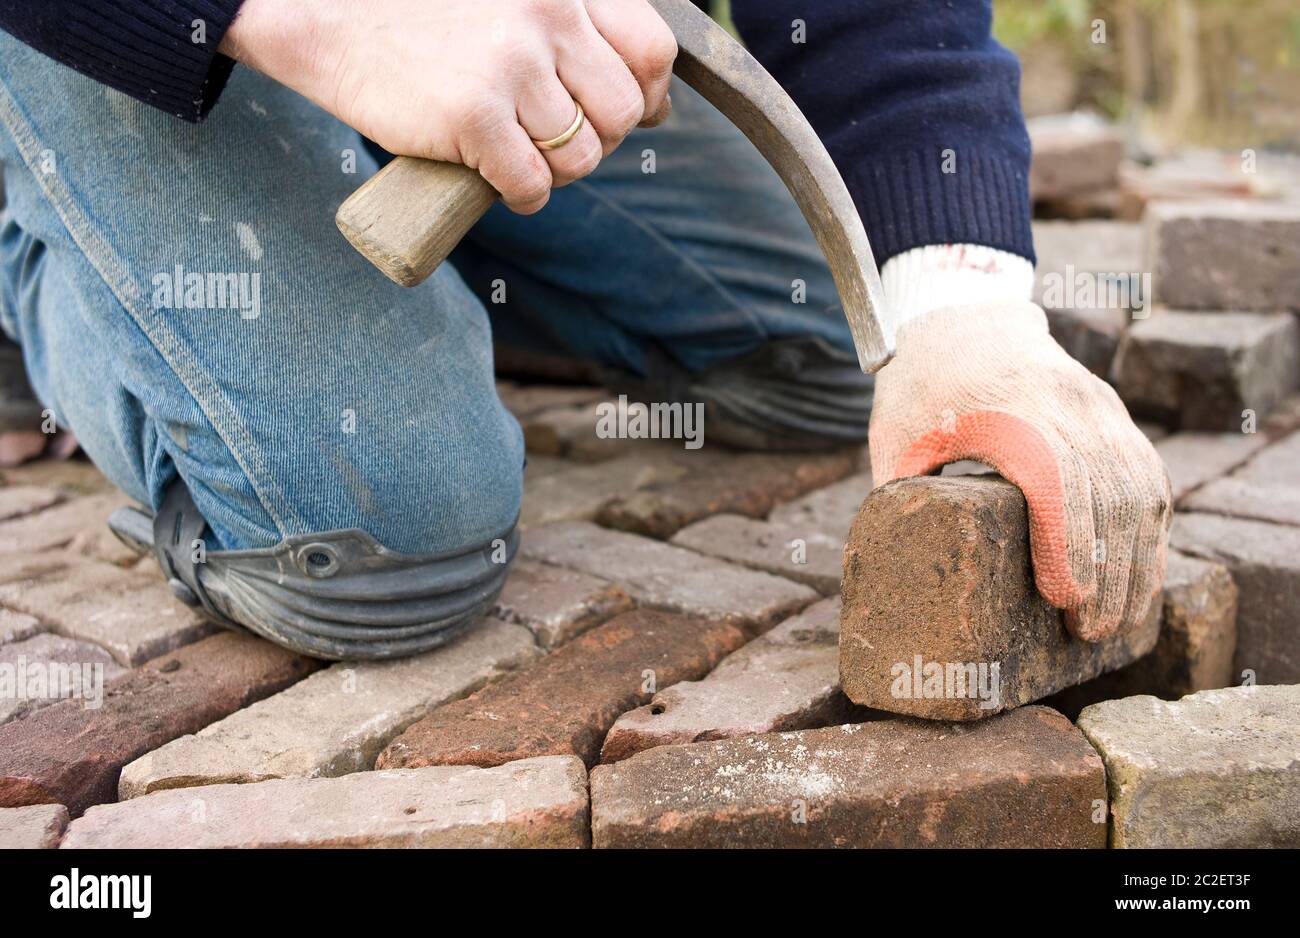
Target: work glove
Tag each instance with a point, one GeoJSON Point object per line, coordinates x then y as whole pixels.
{"type": "Point", "coordinates": [986, 381]}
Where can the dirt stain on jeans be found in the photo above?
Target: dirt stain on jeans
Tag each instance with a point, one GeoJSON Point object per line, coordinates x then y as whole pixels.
{"type": "Point", "coordinates": [357, 485]}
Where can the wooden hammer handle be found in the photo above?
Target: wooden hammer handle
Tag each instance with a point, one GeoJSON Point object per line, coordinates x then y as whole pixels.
{"type": "Point", "coordinates": [409, 216]}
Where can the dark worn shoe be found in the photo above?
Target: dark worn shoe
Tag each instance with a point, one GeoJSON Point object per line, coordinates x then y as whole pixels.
{"type": "Point", "coordinates": [19, 408]}
{"type": "Point", "coordinates": [790, 394]}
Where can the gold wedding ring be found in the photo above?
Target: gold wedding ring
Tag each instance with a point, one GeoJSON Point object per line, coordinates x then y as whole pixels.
{"type": "Point", "coordinates": [556, 142]}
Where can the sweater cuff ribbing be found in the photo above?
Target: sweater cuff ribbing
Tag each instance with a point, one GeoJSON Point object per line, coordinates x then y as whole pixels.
{"type": "Point", "coordinates": [907, 200]}
{"type": "Point", "coordinates": [149, 52]}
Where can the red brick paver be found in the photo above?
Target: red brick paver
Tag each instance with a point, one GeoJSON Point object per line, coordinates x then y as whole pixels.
{"type": "Point", "coordinates": [1023, 779]}
{"type": "Point", "coordinates": [71, 755]}
{"type": "Point", "coordinates": [534, 803]}
{"type": "Point", "coordinates": [566, 703]}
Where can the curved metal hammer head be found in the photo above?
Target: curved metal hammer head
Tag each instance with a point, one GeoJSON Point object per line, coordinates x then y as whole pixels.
{"type": "Point", "coordinates": [732, 80]}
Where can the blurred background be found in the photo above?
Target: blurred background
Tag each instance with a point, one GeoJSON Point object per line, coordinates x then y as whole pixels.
{"type": "Point", "coordinates": [1223, 73]}
{"type": "Point", "coordinates": [1217, 73]}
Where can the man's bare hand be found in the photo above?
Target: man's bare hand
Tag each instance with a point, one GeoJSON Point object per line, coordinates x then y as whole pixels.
{"type": "Point", "coordinates": [472, 82]}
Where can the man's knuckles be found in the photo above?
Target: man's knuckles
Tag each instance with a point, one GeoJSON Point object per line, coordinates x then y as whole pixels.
{"type": "Point", "coordinates": [564, 16]}
{"type": "Point", "coordinates": [650, 55]}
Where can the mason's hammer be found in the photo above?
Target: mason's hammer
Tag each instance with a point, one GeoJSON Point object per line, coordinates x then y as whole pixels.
{"type": "Point", "coordinates": [409, 216]}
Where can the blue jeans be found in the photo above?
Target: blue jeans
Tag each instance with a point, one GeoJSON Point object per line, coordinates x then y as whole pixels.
{"type": "Point", "coordinates": [314, 395]}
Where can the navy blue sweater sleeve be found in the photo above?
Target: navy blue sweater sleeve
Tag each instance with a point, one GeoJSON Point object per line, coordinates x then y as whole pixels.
{"type": "Point", "coordinates": [145, 48]}
{"type": "Point", "coordinates": [919, 107]}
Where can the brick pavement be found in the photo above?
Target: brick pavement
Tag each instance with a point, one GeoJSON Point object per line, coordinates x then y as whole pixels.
{"type": "Point", "coordinates": [675, 626]}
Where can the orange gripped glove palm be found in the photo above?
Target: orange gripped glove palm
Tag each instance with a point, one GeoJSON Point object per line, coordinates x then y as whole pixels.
{"type": "Point", "coordinates": [987, 382]}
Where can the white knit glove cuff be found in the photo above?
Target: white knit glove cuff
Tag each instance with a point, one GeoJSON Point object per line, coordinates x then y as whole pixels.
{"type": "Point", "coordinates": [938, 275]}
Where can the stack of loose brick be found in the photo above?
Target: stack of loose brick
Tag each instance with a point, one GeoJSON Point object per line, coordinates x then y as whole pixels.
{"type": "Point", "coordinates": [1222, 349]}
{"type": "Point", "coordinates": [1079, 173]}
{"type": "Point", "coordinates": [1222, 363]}
{"type": "Point", "coordinates": [1088, 281]}
{"type": "Point", "coordinates": [1216, 360]}
{"type": "Point", "coordinates": [1076, 167]}
{"type": "Point", "coordinates": [1226, 350]}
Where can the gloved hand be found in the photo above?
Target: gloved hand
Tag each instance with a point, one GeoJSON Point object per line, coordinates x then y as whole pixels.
{"type": "Point", "coordinates": [987, 382]}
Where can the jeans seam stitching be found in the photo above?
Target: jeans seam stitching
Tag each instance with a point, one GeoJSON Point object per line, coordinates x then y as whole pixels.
{"type": "Point", "coordinates": [101, 256]}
